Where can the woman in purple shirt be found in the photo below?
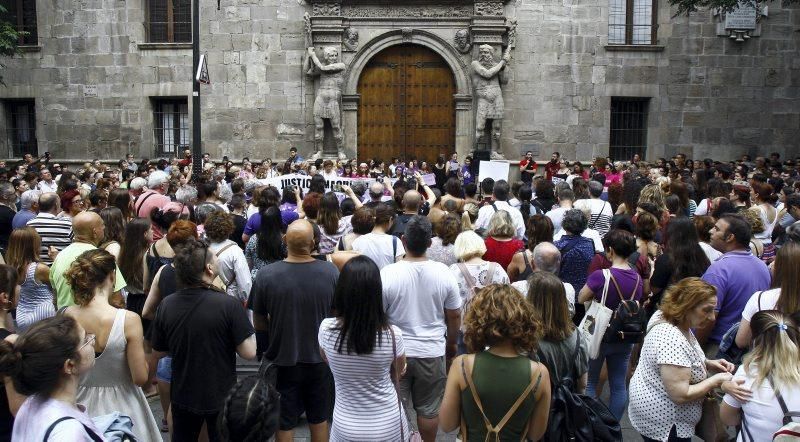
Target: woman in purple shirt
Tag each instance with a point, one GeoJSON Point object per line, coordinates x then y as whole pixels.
{"type": "Point", "coordinates": [625, 283]}
{"type": "Point", "coordinates": [46, 364]}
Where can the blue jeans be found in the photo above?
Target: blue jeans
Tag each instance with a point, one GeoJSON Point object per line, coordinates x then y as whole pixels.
{"type": "Point", "coordinates": [616, 357]}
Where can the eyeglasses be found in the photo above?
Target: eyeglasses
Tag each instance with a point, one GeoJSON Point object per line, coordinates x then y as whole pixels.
{"type": "Point", "coordinates": [90, 338]}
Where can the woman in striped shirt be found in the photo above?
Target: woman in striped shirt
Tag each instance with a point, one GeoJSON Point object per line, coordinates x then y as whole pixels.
{"type": "Point", "coordinates": [35, 298]}
{"type": "Point", "coordinates": [362, 350]}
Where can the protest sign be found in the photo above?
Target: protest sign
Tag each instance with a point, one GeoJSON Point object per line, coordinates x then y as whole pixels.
{"type": "Point", "coordinates": [496, 170]}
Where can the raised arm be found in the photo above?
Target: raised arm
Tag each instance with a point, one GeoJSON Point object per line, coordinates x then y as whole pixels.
{"type": "Point", "coordinates": [490, 72]}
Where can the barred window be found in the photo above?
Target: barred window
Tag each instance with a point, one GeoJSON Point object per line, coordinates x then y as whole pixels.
{"type": "Point", "coordinates": [21, 127]}
{"type": "Point", "coordinates": [22, 16]}
{"type": "Point", "coordinates": [171, 125]}
{"type": "Point", "coordinates": [628, 127]}
{"type": "Point", "coordinates": [169, 21]}
{"type": "Point", "coordinates": [632, 22]}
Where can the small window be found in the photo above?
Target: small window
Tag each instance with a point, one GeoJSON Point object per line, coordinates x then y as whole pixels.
{"type": "Point", "coordinates": [169, 21]}
{"type": "Point", "coordinates": [628, 127]}
{"type": "Point", "coordinates": [21, 127]}
{"type": "Point", "coordinates": [171, 125]}
{"type": "Point", "coordinates": [21, 14]}
{"type": "Point", "coordinates": [632, 22]}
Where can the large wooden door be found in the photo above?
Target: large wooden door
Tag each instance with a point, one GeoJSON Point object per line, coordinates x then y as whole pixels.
{"type": "Point", "coordinates": [406, 108]}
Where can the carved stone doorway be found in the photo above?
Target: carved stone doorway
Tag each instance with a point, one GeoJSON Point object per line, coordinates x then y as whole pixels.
{"type": "Point", "coordinates": [406, 107]}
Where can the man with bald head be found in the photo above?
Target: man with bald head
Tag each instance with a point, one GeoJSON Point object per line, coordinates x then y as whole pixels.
{"type": "Point", "coordinates": [289, 300]}
{"type": "Point", "coordinates": [547, 258]}
{"type": "Point", "coordinates": [375, 192]}
{"type": "Point", "coordinates": [412, 201]}
{"type": "Point", "coordinates": [89, 230]}
{"type": "Point", "coordinates": [56, 233]}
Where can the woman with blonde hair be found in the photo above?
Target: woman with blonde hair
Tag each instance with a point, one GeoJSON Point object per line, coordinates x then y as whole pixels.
{"type": "Point", "coordinates": [771, 373]}
{"type": "Point", "coordinates": [120, 366]}
{"type": "Point", "coordinates": [784, 295]}
{"type": "Point", "coordinates": [653, 194]}
{"type": "Point", "coordinates": [502, 330]}
{"type": "Point", "coordinates": [672, 378]}
{"type": "Point", "coordinates": [35, 297]}
{"type": "Point", "coordinates": [500, 242]}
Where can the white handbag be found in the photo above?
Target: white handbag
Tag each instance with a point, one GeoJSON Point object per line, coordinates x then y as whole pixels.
{"type": "Point", "coordinates": [595, 323]}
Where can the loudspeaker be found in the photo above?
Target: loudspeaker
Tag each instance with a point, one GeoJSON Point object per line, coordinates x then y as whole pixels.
{"type": "Point", "coordinates": [477, 157]}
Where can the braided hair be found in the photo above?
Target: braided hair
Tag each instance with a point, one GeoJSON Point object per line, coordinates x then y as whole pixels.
{"type": "Point", "coordinates": [251, 411]}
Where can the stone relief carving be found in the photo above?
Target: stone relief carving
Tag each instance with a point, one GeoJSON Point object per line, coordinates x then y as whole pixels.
{"type": "Point", "coordinates": [404, 11]}
{"type": "Point", "coordinates": [350, 39]}
{"type": "Point", "coordinates": [489, 8]}
{"type": "Point", "coordinates": [461, 41]}
{"type": "Point", "coordinates": [488, 75]}
{"type": "Point", "coordinates": [407, 32]}
{"type": "Point", "coordinates": [329, 95]}
{"type": "Point", "coordinates": [327, 9]}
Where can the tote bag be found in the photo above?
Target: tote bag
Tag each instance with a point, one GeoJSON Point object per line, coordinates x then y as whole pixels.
{"type": "Point", "coordinates": [595, 323]}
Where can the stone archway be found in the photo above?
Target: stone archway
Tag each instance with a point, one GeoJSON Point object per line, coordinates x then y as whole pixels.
{"type": "Point", "coordinates": [463, 86]}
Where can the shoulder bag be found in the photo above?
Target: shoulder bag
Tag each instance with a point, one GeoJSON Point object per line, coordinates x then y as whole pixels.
{"type": "Point", "coordinates": [595, 322]}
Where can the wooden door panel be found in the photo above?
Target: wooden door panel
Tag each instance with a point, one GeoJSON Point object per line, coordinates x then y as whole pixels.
{"type": "Point", "coordinates": [406, 108]}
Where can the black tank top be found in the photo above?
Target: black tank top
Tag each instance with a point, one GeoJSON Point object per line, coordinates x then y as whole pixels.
{"type": "Point", "coordinates": [528, 268]}
{"type": "Point", "coordinates": [166, 282]}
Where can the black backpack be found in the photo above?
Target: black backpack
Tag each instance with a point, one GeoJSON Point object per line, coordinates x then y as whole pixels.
{"type": "Point", "coordinates": [628, 325]}
{"type": "Point", "coordinates": [577, 417]}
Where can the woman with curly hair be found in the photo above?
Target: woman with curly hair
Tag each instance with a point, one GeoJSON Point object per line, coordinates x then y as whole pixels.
{"type": "Point", "coordinates": [120, 366]}
{"type": "Point", "coordinates": [502, 330]}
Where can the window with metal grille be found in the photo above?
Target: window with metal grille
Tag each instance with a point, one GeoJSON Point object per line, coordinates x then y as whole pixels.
{"type": "Point", "coordinates": [171, 125]}
{"type": "Point", "coordinates": [169, 21]}
{"type": "Point", "coordinates": [632, 22]}
{"type": "Point", "coordinates": [21, 127]}
{"type": "Point", "coordinates": [22, 16]}
{"type": "Point", "coordinates": [628, 127]}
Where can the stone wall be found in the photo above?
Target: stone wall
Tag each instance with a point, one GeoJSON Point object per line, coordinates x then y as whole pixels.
{"type": "Point", "coordinates": [94, 79]}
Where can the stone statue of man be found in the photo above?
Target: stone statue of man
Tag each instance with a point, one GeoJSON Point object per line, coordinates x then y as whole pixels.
{"type": "Point", "coordinates": [329, 95]}
{"type": "Point", "coordinates": [488, 76]}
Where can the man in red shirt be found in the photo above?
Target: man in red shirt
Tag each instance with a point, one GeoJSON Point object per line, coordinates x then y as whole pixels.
{"type": "Point", "coordinates": [187, 158]}
{"type": "Point", "coordinates": [154, 197]}
{"type": "Point", "coordinates": [552, 167]}
{"type": "Point", "coordinates": [527, 168]}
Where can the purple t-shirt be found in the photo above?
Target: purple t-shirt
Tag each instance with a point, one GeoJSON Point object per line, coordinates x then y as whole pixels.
{"type": "Point", "coordinates": [254, 222]}
{"type": "Point", "coordinates": [736, 275]}
{"type": "Point", "coordinates": [627, 281]}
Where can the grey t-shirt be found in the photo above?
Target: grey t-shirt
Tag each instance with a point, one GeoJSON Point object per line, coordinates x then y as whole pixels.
{"type": "Point", "coordinates": [558, 357]}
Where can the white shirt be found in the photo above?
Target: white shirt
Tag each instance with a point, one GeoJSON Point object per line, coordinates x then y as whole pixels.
{"type": "Point", "coordinates": [480, 274]}
{"type": "Point", "coordinates": [522, 287]}
{"type": "Point", "coordinates": [233, 269]}
{"type": "Point", "coordinates": [486, 212]}
{"type": "Point", "coordinates": [378, 247]}
{"type": "Point", "coordinates": [415, 296]}
{"type": "Point", "coordinates": [592, 234]}
{"type": "Point", "coordinates": [711, 253]}
{"type": "Point", "coordinates": [763, 414]}
{"type": "Point", "coordinates": [768, 301]}
{"type": "Point", "coordinates": [702, 208]}
{"type": "Point", "coordinates": [556, 216]}
{"type": "Point", "coordinates": [44, 186]}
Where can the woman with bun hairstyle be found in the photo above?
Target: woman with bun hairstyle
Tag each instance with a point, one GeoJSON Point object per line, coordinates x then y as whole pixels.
{"type": "Point", "coordinates": [120, 366]}
{"type": "Point", "coordinates": [46, 364]}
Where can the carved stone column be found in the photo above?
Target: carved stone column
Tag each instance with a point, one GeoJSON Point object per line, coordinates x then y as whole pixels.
{"type": "Point", "coordinates": [350, 124]}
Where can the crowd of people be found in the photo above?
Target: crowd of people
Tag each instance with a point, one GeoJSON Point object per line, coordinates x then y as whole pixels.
{"type": "Point", "coordinates": [394, 308]}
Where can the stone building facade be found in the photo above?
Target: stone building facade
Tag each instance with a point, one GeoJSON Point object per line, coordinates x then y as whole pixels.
{"type": "Point", "coordinates": [95, 84]}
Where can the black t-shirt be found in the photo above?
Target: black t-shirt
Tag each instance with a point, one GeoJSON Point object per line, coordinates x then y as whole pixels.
{"type": "Point", "coordinates": [6, 217]}
{"type": "Point", "coordinates": [662, 272]}
{"type": "Point", "coordinates": [399, 226]}
{"type": "Point", "coordinates": [238, 228]}
{"type": "Point", "coordinates": [201, 329]}
{"type": "Point", "coordinates": [6, 418]}
{"type": "Point", "coordinates": [297, 297]}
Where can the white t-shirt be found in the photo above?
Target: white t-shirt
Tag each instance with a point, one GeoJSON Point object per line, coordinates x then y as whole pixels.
{"type": "Point", "coordinates": [378, 247]}
{"type": "Point", "coordinates": [769, 299]}
{"type": "Point", "coordinates": [556, 216]}
{"type": "Point", "coordinates": [652, 412]}
{"type": "Point", "coordinates": [592, 234]}
{"type": "Point", "coordinates": [486, 212]}
{"type": "Point", "coordinates": [480, 274]}
{"type": "Point", "coordinates": [711, 253]}
{"type": "Point", "coordinates": [522, 287]}
{"type": "Point", "coordinates": [702, 208]}
{"type": "Point", "coordinates": [600, 214]}
{"type": "Point", "coordinates": [763, 412]}
{"type": "Point", "coordinates": [415, 296]}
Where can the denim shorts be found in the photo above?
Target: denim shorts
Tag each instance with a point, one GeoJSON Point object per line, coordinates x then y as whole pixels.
{"type": "Point", "coordinates": [164, 369]}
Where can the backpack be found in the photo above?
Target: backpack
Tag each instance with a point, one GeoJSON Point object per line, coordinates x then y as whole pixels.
{"type": "Point", "coordinates": [728, 349]}
{"type": "Point", "coordinates": [628, 324]}
{"type": "Point", "coordinates": [577, 417]}
{"type": "Point", "coordinates": [789, 432]}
